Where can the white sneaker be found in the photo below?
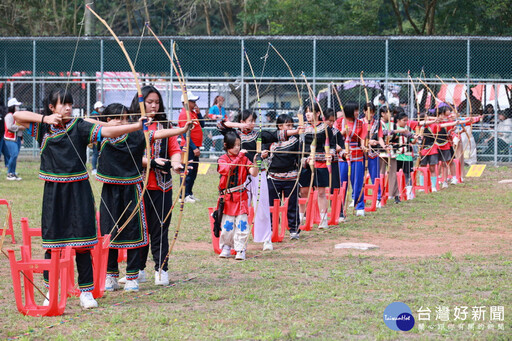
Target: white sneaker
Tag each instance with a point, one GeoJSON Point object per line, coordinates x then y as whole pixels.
{"type": "Point", "coordinates": [454, 181]}
{"type": "Point", "coordinates": [302, 219]}
{"type": "Point", "coordinates": [240, 255]}
{"type": "Point", "coordinates": [409, 194]}
{"type": "Point", "coordinates": [94, 171]}
{"type": "Point", "coordinates": [111, 284]}
{"type": "Point", "coordinates": [87, 301]}
{"type": "Point", "coordinates": [226, 252]}
{"type": "Point", "coordinates": [47, 300]}
{"type": "Point", "coordinates": [193, 197]}
{"type": "Point", "coordinates": [341, 220]}
{"type": "Point", "coordinates": [161, 278]}
{"type": "Point", "coordinates": [444, 185]}
{"type": "Point", "coordinates": [131, 285]}
{"type": "Point", "coordinates": [142, 277]}
{"type": "Point", "coordinates": [434, 189]}
{"type": "Point", "coordinates": [11, 177]}
{"type": "Point", "coordinates": [359, 213]}
{"type": "Point", "coordinates": [323, 224]}
{"type": "Point", "coordinates": [351, 204]}
{"type": "Point", "coordinates": [189, 199]}
{"type": "Point", "coordinates": [267, 246]}
{"type": "Point", "coordinates": [378, 205]}
{"type": "Point", "coordinates": [294, 236]}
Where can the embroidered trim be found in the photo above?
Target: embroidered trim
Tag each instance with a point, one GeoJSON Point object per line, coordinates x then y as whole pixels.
{"type": "Point", "coordinates": [142, 226]}
{"type": "Point", "coordinates": [60, 244]}
{"type": "Point", "coordinates": [86, 287]}
{"type": "Point", "coordinates": [118, 180]}
{"type": "Point", "coordinates": [63, 177]}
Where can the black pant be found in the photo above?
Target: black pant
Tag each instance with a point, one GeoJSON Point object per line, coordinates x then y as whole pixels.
{"type": "Point", "coordinates": [83, 266]}
{"type": "Point", "coordinates": [284, 188]}
{"type": "Point", "coordinates": [192, 173]}
{"type": "Point", "coordinates": [157, 204]}
{"type": "Point", "coordinates": [132, 263]}
{"type": "Point", "coordinates": [406, 167]}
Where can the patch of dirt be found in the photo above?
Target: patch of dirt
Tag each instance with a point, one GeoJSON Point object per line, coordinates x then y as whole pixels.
{"type": "Point", "coordinates": [467, 243]}
{"type": "Point", "coordinates": [457, 241]}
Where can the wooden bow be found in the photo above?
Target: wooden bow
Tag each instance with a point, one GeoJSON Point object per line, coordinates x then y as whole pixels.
{"type": "Point", "coordinates": [142, 112]}
{"type": "Point", "coordinates": [366, 140]}
{"type": "Point", "coordinates": [312, 154]}
{"type": "Point", "coordinates": [258, 141]}
{"type": "Point", "coordinates": [300, 117]}
{"type": "Point", "coordinates": [347, 154]}
{"type": "Point", "coordinates": [185, 160]}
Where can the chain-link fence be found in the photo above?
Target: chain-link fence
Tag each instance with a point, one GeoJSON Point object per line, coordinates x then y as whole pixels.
{"type": "Point", "coordinates": [408, 71]}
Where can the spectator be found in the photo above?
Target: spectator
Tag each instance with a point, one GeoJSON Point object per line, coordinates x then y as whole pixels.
{"type": "Point", "coordinates": [196, 141]}
{"type": "Point", "coordinates": [488, 113]}
{"type": "Point", "coordinates": [217, 111]}
{"type": "Point", "coordinates": [98, 109]}
{"type": "Point", "coordinates": [504, 130]}
{"type": "Point", "coordinates": [382, 100]}
{"type": "Point", "coordinates": [13, 135]}
{"type": "Point", "coordinates": [271, 116]}
{"type": "Point", "coordinates": [504, 127]}
{"type": "Point", "coordinates": [409, 111]}
{"type": "Point", "coordinates": [3, 147]}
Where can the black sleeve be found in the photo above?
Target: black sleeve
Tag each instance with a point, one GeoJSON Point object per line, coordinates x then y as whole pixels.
{"type": "Point", "coordinates": [340, 140]}
{"type": "Point", "coordinates": [268, 137]}
{"type": "Point", "coordinates": [223, 129]}
{"type": "Point", "coordinates": [201, 121]}
{"type": "Point", "coordinates": [332, 140]}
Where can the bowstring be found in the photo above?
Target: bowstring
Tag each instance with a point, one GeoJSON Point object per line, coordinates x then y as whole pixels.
{"type": "Point", "coordinates": [81, 24]}
{"type": "Point", "coordinates": [131, 154]}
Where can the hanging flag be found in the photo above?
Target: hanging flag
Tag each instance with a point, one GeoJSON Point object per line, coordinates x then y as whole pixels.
{"type": "Point", "coordinates": [203, 168]}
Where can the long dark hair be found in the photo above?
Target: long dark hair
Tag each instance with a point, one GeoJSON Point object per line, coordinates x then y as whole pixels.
{"type": "Point", "coordinates": [350, 109]}
{"type": "Point", "coordinates": [230, 139]}
{"type": "Point", "coordinates": [248, 113]}
{"type": "Point", "coordinates": [328, 113]}
{"type": "Point", "coordinates": [160, 116]}
{"type": "Point", "coordinates": [398, 114]}
{"type": "Point", "coordinates": [283, 118]}
{"type": "Point", "coordinates": [113, 111]}
{"type": "Point", "coordinates": [56, 95]}
{"type": "Point", "coordinates": [216, 99]}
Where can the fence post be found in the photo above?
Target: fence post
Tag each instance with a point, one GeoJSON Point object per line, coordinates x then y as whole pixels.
{"type": "Point", "coordinates": [34, 92]}
{"type": "Point", "coordinates": [329, 104]}
{"type": "Point", "coordinates": [468, 76]}
{"type": "Point", "coordinates": [102, 70]}
{"type": "Point", "coordinates": [314, 66]}
{"type": "Point", "coordinates": [495, 124]}
{"type": "Point", "coordinates": [242, 65]}
{"type": "Point", "coordinates": [170, 105]}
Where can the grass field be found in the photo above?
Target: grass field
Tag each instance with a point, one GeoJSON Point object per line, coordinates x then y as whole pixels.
{"type": "Point", "coordinates": [440, 252]}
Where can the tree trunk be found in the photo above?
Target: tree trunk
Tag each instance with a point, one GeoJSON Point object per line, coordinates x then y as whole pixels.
{"type": "Point", "coordinates": [409, 18]}
{"type": "Point", "coordinates": [146, 11]}
{"type": "Point", "coordinates": [89, 21]}
{"type": "Point", "coordinates": [229, 16]}
{"type": "Point", "coordinates": [129, 11]}
{"type": "Point", "coordinates": [207, 17]}
{"type": "Point", "coordinates": [245, 17]}
{"type": "Point", "coordinates": [431, 10]}
{"type": "Point", "coordinates": [398, 16]}
{"type": "Point", "coordinates": [223, 17]}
